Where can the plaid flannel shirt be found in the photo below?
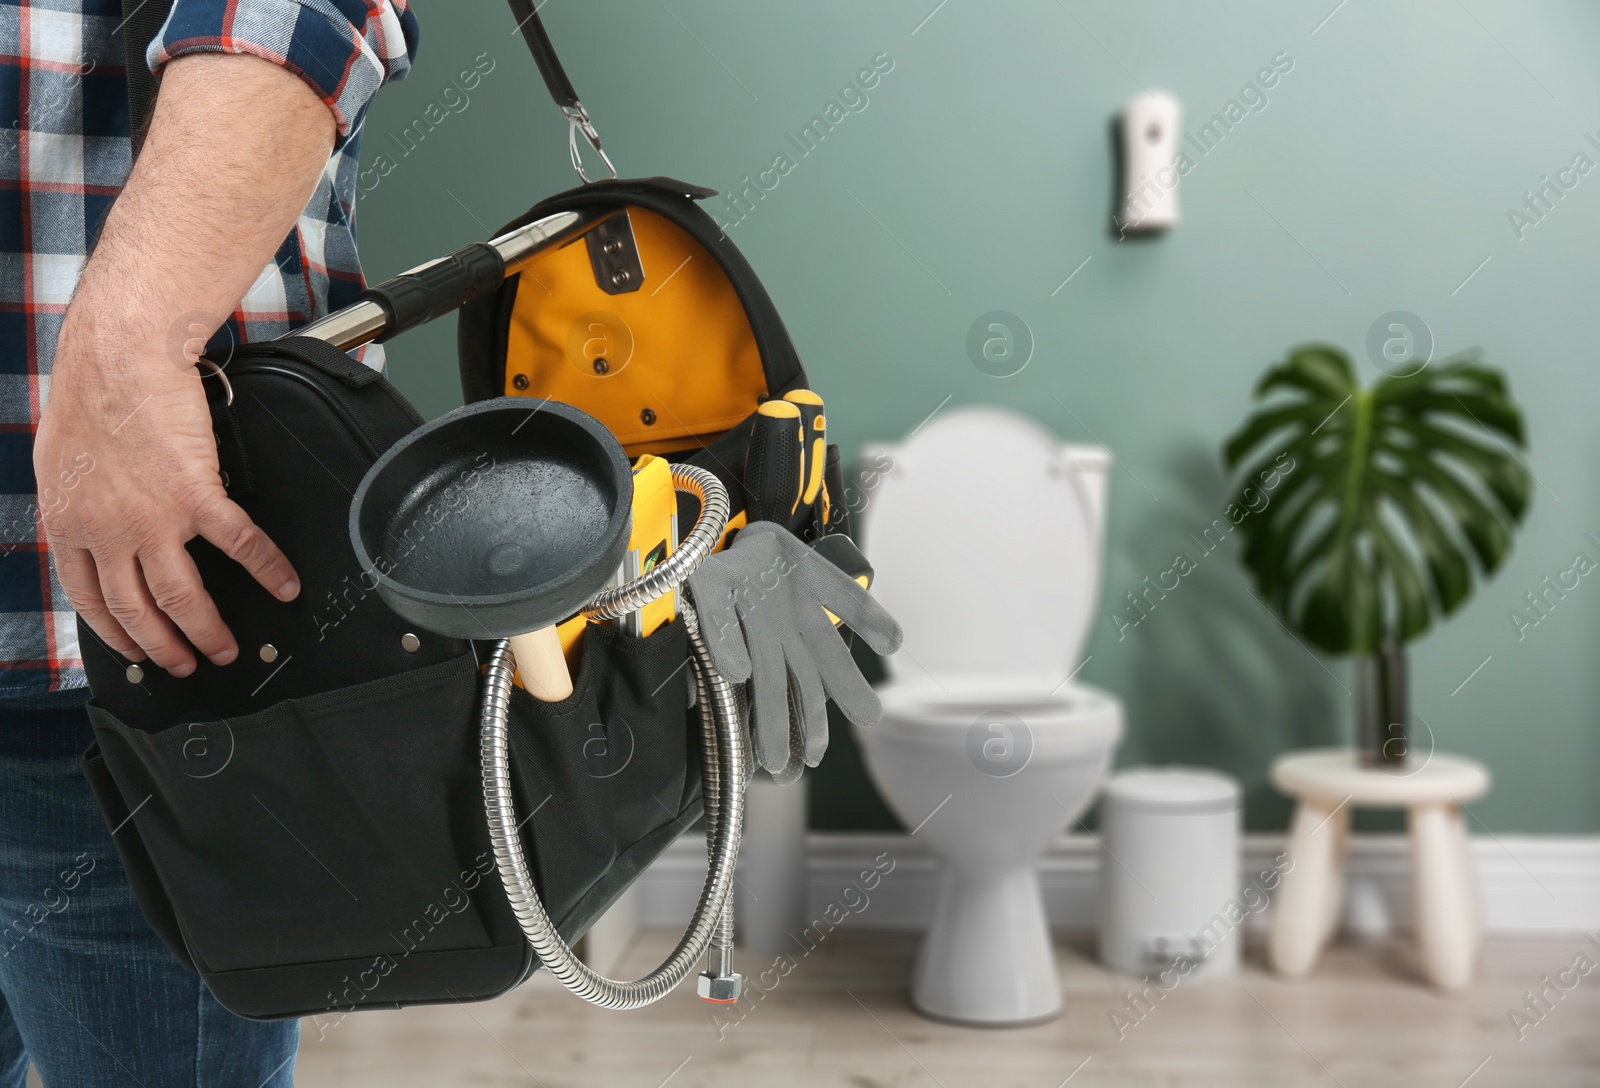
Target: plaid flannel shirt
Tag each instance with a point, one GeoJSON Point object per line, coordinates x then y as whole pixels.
{"type": "Point", "coordinates": [64, 155]}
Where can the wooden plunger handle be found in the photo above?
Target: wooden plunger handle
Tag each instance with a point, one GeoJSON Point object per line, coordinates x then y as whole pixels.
{"type": "Point", "coordinates": [541, 665]}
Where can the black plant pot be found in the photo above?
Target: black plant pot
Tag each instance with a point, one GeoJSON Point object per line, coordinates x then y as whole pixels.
{"type": "Point", "coordinates": [1383, 707]}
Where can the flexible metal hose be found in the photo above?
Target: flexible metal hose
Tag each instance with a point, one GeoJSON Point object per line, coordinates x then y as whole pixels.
{"type": "Point", "coordinates": [719, 960]}
{"type": "Point", "coordinates": [724, 769]}
{"type": "Point", "coordinates": [665, 577]}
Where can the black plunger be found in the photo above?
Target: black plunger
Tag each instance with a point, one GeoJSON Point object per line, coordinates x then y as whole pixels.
{"type": "Point", "coordinates": [497, 520]}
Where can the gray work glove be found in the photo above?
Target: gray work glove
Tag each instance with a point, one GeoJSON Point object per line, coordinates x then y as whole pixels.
{"type": "Point", "coordinates": [760, 603]}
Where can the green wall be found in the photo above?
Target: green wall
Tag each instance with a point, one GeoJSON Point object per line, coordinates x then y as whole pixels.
{"type": "Point", "coordinates": [1377, 177]}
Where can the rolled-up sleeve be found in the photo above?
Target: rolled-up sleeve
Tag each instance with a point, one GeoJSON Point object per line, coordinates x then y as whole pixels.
{"type": "Point", "coordinates": [344, 49]}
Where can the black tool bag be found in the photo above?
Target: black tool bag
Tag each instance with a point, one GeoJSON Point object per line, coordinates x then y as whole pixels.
{"type": "Point", "coordinates": [305, 827]}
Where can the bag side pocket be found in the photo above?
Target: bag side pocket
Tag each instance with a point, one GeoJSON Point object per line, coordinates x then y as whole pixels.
{"type": "Point", "coordinates": [341, 825]}
{"type": "Point", "coordinates": [136, 864]}
{"type": "Point", "coordinates": [607, 778]}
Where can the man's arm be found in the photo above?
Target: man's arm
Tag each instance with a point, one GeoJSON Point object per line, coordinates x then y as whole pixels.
{"type": "Point", "coordinates": [235, 148]}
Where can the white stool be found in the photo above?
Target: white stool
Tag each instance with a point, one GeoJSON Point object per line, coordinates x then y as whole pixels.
{"type": "Point", "coordinates": [1327, 782]}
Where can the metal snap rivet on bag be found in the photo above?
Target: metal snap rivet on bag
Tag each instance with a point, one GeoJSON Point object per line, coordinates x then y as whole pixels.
{"type": "Point", "coordinates": [601, 366]}
{"type": "Point", "coordinates": [410, 643]}
{"type": "Point", "coordinates": [620, 277]}
{"type": "Point", "coordinates": [520, 381]}
{"type": "Point", "coordinates": [134, 674]}
{"type": "Point", "coordinates": [648, 417]}
{"type": "Point", "coordinates": [224, 475]}
{"type": "Point", "coordinates": [269, 652]}
{"type": "Point", "coordinates": [612, 246]}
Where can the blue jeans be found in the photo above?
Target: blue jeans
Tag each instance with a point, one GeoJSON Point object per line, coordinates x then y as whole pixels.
{"type": "Point", "coordinates": [87, 992]}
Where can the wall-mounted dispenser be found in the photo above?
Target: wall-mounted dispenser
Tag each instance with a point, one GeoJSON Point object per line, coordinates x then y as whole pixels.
{"type": "Point", "coordinates": [1148, 138]}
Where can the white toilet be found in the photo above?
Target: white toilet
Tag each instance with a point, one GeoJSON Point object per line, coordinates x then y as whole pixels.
{"type": "Point", "coordinates": [986, 534]}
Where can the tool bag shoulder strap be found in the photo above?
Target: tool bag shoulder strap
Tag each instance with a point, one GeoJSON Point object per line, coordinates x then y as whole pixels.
{"type": "Point", "coordinates": [142, 20]}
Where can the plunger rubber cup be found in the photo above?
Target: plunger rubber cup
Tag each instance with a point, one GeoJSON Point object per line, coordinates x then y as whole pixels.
{"type": "Point", "coordinates": [497, 520]}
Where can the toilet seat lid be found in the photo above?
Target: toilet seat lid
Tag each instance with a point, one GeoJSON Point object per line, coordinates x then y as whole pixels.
{"type": "Point", "coordinates": [985, 550]}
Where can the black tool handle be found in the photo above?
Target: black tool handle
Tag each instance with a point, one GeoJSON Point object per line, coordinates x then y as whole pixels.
{"type": "Point", "coordinates": [772, 463]}
{"type": "Point", "coordinates": [418, 296]}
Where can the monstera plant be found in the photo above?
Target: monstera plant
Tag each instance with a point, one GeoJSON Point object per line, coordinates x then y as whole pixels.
{"type": "Point", "coordinates": [1394, 495]}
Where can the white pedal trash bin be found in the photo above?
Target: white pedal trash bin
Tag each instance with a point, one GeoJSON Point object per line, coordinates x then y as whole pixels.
{"type": "Point", "coordinates": [1169, 873]}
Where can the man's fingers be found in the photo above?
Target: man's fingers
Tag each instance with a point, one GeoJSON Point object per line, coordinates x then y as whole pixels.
{"type": "Point", "coordinates": [177, 590]}
{"type": "Point", "coordinates": [130, 604]}
{"type": "Point", "coordinates": [76, 570]}
{"type": "Point", "coordinates": [231, 530]}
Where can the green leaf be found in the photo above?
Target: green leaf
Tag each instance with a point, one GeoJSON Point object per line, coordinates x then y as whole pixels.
{"type": "Point", "coordinates": [1322, 371]}
{"type": "Point", "coordinates": [1260, 426]}
{"type": "Point", "coordinates": [1482, 525]}
{"type": "Point", "coordinates": [1408, 474]}
{"type": "Point", "coordinates": [1503, 475]}
{"type": "Point", "coordinates": [1341, 612]}
{"type": "Point", "coordinates": [1312, 553]}
{"type": "Point", "coordinates": [1410, 592]}
{"type": "Point", "coordinates": [1490, 412]}
{"type": "Point", "coordinates": [1278, 523]}
{"type": "Point", "coordinates": [1451, 374]}
{"type": "Point", "coordinates": [1447, 563]}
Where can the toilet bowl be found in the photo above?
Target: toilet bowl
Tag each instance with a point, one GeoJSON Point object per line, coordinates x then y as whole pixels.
{"type": "Point", "coordinates": [985, 532]}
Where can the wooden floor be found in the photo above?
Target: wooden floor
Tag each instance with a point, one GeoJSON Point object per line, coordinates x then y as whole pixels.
{"type": "Point", "coordinates": [840, 1018]}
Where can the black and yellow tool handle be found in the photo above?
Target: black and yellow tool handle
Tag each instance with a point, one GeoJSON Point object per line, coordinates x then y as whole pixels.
{"type": "Point", "coordinates": [813, 442]}
{"type": "Point", "coordinates": [773, 463]}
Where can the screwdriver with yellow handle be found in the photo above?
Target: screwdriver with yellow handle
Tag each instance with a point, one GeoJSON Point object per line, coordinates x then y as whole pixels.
{"type": "Point", "coordinates": [793, 432]}
{"type": "Point", "coordinates": [836, 548]}
{"type": "Point", "coordinates": [813, 456]}
{"type": "Point", "coordinates": [774, 463]}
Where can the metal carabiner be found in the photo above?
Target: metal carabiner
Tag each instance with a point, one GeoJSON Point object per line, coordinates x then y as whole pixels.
{"type": "Point", "coordinates": [578, 121]}
{"type": "Point", "coordinates": [227, 386]}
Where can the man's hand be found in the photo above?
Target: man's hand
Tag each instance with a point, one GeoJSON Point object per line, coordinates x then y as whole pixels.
{"type": "Point", "coordinates": [125, 457]}
{"type": "Point", "coordinates": [118, 536]}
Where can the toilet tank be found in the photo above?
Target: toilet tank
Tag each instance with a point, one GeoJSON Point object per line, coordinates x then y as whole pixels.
{"type": "Point", "coordinates": [986, 532]}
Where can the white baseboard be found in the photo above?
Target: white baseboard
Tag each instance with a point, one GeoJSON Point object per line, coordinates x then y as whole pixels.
{"type": "Point", "coordinates": [1529, 884]}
